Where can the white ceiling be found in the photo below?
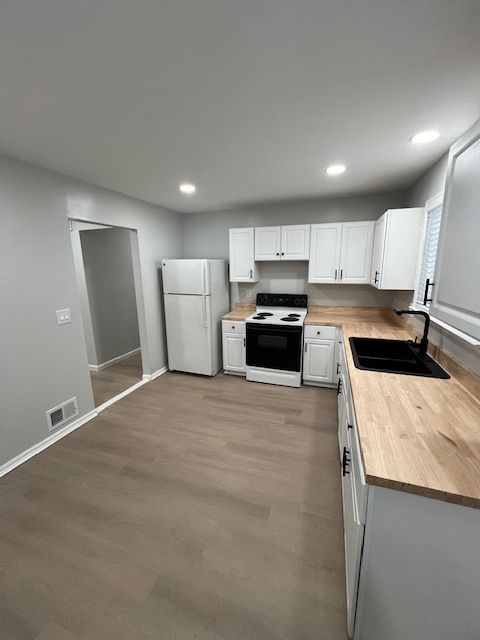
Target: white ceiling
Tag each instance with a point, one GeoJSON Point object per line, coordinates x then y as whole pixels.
{"type": "Point", "coordinates": [248, 99]}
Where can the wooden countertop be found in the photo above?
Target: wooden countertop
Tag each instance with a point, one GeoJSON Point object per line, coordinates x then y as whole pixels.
{"type": "Point", "coordinates": [240, 313]}
{"type": "Point", "coordinates": [419, 435]}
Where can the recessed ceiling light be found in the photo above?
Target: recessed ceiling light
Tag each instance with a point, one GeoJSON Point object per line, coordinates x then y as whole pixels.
{"type": "Point", "coordinates": [335, 169]}
{"type": "Point", "coordinates": [188, 188]}
{"type": "Point", "coordinates": [425, 136]}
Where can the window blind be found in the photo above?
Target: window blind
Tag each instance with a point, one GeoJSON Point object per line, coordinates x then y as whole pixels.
{"type": "Point", "coordinates": [429, 254]}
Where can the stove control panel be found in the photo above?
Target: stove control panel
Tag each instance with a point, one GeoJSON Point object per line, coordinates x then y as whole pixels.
{"type": "Point", "coordinates": [282, 300]}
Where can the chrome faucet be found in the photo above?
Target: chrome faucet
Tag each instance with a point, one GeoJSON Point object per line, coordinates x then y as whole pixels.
{"type": "Point", "coordinates": [424, 341]}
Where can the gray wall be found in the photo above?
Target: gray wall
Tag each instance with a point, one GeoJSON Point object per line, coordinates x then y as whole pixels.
{"type": "Point", "coordinates": [206, 235]}
{"type": "Point", "coordinates": [42, 364]}
{"type": "Point", "coordinates": [107, 258]}
{"type": "Point", "coordinates": [426, 187]}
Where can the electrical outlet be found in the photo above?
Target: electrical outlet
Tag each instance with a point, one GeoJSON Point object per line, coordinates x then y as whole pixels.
{"type": "Point", "coordinates": [63, 316]}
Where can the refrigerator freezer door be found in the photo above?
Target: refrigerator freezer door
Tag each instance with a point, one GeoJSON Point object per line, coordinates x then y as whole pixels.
{"type": "Point", "coordinates": [189, 336]}
{"type": "Point", "coordinates": [186, 277]}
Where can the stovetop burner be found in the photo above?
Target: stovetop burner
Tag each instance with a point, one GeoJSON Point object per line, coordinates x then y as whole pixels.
{"type": "Point", "coordinates": [259, 317]}
{"type": "Point", "coordinates": [289, 319]}
{"type": "Point", "coordinates": [264, 313]}
{"type": "Point", "coordinates": [294, 315]}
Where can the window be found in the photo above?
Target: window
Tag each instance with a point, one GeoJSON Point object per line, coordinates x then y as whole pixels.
{"type": "Point", "coordinates": [428, 253]}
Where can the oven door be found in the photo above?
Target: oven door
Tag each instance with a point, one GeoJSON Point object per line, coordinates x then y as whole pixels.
{"type": "Point", "coordinates": [274, 347]}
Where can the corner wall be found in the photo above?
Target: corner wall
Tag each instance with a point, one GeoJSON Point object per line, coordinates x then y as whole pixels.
{"type": "Point", "coordinates": [43, 364]}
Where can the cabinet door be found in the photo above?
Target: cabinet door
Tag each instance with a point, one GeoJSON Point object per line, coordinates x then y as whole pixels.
{"type": "Point", "coordinates": [353, 535]}
{"type": "Point", "coordinates": [318, 360]}
{"type": "Point", "coordinates": [325, 245]}
{"type": "Point", "coordinates": [295, 242]}
{"type": "Point", "coordinates": [242, 263]}
{"type": "Point", "coordinates": [377, 254]}
{"type": "Point", "coordinates": [267, 243]}
{"type": "Point", "coordinates": [233, 352]}
{"type": "Point", "coordinates": [456, 294]}
{"type": "Point", "coordinates": [356, 254]}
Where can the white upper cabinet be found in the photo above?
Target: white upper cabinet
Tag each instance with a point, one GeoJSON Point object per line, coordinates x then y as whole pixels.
{"type": "Point", "coordinates": [396, 247]}
{"type": "Point", "coordinates": [456, 290]}
{"type": "Point", "coordinates": [242, 255]}
{"type": "Point", "coordinates": [296, 242]}
{"type": "Point", "coordinates": [267, 243]}
{"type": "Point", "coordinates": [291, 242]}
{"type": "Point", "coordinates": [325, 247]}
{"type": "Point", "coordinates": [341, 253]}
{"type": "Point", "coordinates": [356, 253]}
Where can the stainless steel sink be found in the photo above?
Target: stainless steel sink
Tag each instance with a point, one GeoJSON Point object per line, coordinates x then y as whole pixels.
{"type": "Point", "coordinates": [394, 356]}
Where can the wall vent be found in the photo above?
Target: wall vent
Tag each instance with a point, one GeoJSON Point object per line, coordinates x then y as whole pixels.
{"type": "Point", "coordinates": [61, 414]}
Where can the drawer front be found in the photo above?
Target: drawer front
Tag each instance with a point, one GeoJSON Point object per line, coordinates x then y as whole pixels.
{"type": "Point", "coordinates": [233, 327]}
{"type": "Point", "coordinates": [325, 333]}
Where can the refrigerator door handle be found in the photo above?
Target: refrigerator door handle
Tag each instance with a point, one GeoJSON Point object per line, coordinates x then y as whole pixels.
{"type": "Point", "coordinates": [204, 280]}
{"type": "Point", "coordinates": [204, 312]}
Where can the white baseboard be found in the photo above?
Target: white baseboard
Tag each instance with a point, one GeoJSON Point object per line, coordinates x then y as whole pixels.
{"type": "Point", "coordinates": [12, 464]}
{"type": "Point", "coordinates": [151, 376]}
{"type": "Point", "coordinates": [47, 442]}
{"type": "Point", "coordinates": [103, 365]}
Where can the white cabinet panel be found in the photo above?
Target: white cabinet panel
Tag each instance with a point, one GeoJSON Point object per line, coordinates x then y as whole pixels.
{"type": "Point", "coordinates": [396, 247]}
{"type": "Point", "coordinates": [318, 360]}
{"type": "Point", "coordinates": [356, 254]}
{"type": "Point", "coordinates": [233, 353]}
{"type": "Point", "coordinates": [378, 247]}
{"type": "Point", "coordinates": [295, 242]}
{"type": "Point", "coordinates": [325, 247]}
{"type": "Point", "coordinates": [241, 250]}
{"type": "Point", "coordinates": [456, 294]}
{"type": "Point", "coordinates": [267, 243]}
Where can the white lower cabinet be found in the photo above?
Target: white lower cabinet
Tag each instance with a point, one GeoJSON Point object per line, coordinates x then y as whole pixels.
{"type": "Point", "coordinates": [318, 360]}
{"type": "Point", "coordinates": [411, 562]}
{"type": "Point", "coordinates": [319, 355]}
{"type": "Point", "coordinates": [233, 341]}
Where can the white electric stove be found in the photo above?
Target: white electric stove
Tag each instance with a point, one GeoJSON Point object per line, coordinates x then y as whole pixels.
{"type": "Point", "coordinates": [274, 339]}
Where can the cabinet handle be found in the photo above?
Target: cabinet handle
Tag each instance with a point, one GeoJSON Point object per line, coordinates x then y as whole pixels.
{"type": "Point", "coordinates": [349, 426]}
{"type": "Point", "coordinates": [336, 271]}
{"type": "Point", "coordinates": [283, 253]}
{"type": "Point", "coordinates": [338, 368]}
{"type": "Point", "coordinates": [341, 274]}
{"type": "Point", "coordinates": [251, 274]}
{"type": "Point", "coordinates": [244, 342]}
{"type": "Point", "coordinates": [305, 348]}
{"type": "Point", "coordinates": [339, 386]}
{"type": "Point", "coordinates": [376, 278]}
{"type": "Point", "coordinates": [345, 462]}
{"type": "Point", "coordinates": [278, 253]}
{"type": "Point", "coordinates": [425, 295]}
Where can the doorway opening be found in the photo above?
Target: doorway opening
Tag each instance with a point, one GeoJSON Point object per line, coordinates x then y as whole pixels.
{"type": "Point", "coordinates": [104, 259]}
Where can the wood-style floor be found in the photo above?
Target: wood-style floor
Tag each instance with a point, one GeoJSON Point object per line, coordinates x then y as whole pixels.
{"type": "Point", "coordinates": [193, 509]}
{"type": "Point", "coordinates": [109, 382]}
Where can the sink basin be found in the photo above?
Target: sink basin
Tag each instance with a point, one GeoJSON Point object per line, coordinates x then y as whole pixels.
{"type": "Point", "coordinates": [394, 356]}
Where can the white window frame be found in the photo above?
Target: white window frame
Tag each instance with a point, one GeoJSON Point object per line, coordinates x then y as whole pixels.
{"type": "Point", "coordinates": [430, 205]}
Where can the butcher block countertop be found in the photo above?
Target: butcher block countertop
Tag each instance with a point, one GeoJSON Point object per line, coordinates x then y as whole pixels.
{"type": "Point", "coordinates": [240, 313]}
{"type": "Point", "coordinates": [419, 435]}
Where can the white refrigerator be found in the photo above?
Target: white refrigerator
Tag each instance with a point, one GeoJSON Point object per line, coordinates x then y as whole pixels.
{"type": "Point", "coordinates": [196, 296]}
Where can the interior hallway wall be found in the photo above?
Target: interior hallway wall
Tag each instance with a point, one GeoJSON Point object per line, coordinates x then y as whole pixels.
{"type": "Point", "coordinates": [107, 259]}
{"type": "Point", "coordinates": [43, 364]}
{"type": "Point", "coordinates": [75, 228]}
{"type": "Point", "coordinates": [206, 235]}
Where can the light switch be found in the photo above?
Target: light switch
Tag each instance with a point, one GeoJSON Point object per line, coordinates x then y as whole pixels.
{"type": "Point", "coordinates": [63, 316]}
